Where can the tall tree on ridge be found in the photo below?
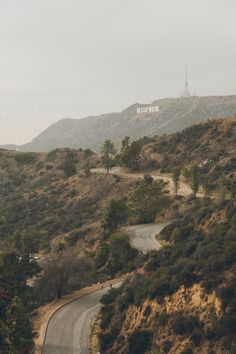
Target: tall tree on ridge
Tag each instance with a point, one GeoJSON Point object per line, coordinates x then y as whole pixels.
{"type": "Point", "coordinates": [176, 176]}
{"type": "Point", "coordinates": [108, 152]}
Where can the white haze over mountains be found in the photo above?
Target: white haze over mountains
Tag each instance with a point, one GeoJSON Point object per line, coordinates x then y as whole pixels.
{"type": "Point", "coordinates": [73, 58]}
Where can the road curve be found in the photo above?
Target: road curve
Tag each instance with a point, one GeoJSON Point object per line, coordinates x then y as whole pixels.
{"type": "Point", "coordinates": [143, 237]}
{"type": "Point", "coordinates": [184, 188]}
{"type": "Point", "coordinates": [69, 328]}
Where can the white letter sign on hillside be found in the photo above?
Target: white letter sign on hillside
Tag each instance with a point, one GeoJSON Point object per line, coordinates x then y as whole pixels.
{"type": "Point", "coordinates": [149, 109]}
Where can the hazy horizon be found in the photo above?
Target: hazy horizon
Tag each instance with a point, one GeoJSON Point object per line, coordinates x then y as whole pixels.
{"type": "Point", "coordinates": [74, 59]}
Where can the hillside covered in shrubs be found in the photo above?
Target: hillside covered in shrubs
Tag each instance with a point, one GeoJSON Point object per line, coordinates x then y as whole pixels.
{"type": "Point", "coordinates": [53, 196]}
{"type": "Point", "coordinates": [184, 299]}
{"type": "Point", "coordinates": [55, 209]}
{"type": "Point", "coordinates": [210, 145]}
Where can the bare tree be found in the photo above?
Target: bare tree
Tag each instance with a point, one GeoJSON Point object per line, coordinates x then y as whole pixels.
{"type": "Point", "coordinates": [61, 273]}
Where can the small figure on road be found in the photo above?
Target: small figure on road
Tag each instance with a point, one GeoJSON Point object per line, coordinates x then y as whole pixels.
{"type": "Point", "coordinates": [110, 286]}
{"type": "Point", "coordinates": [102, 287]}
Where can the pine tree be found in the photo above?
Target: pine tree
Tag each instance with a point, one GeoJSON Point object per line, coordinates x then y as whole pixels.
{"type": "Point", "coordinates": [108, 153]}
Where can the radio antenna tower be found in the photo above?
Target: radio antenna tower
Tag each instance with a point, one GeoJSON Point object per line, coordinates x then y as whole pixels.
{"type": "Point", "coordinates": [186, 92]}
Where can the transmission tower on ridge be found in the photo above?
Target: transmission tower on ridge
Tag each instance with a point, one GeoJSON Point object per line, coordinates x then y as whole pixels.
{"type": "Point", "coordinates": [186, 91]}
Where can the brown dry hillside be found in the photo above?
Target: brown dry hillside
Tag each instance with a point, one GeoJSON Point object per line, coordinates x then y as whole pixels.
{"type": "Point", "coordinates": [211, 144]}
{"type": "Point", "coordinates": [40, 199]}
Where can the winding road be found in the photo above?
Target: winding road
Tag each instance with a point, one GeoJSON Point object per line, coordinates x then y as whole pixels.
{"type": "Point", "coordinates": [143, 237]}
{"type": "Point", "coordinates": [184, 188]}
{"type": "Point", "coordinates": [68, 329]}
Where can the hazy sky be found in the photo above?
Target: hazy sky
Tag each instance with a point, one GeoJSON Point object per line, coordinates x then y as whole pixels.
{"type": "Point", "coordinates": [73, 58]}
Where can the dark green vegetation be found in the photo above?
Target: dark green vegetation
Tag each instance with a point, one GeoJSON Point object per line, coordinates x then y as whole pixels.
{"type": "Point", "coordinates": [68, 166]}
{"type": "Point", "coordinates": [192, 175]}
{"type": "Point", "coordinates": [150, 198]}
{"type": "Point", "coordinates": [108, 152]}
{"type": "Point", "coordinates": [130, 153]}
{"type": "Point", "coordinates": [176, 173]}
{"type": "Point", "coordinates": [115, 215]}
{"type": "Point", "coordinates": [201, 250]}
{"type": "Point", "coordinates": [116, 255]}
{"type": "Point", "coordinates": [16, 303]}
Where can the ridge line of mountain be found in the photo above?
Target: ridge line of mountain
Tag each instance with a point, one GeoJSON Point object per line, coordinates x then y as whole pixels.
{"type": "Point", "coordinates": [173, 115]}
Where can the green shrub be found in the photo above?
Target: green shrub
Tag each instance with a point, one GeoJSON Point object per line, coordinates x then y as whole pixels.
{"type": "Point", "coordinates": [226, 324]}
{"type": "Point", "coordinates": [183, 324]}
{"type": "Point", "coordinates": [187, 351]}
{"type": "Point", "coordinates": [68, 167]}
{"type": "Point", "coordinates": [166, 347]}
{"type": "Point", "coordinates": [139, 342]}
{"type": "Point", "coordinates": [110, 297]}
{"type": "Point", "coordinates": [105, 340]}
{"type": "Point", "coordinates": [107, 313]}
{"type": "Point", "coordinates": [116, 214]}
{"type": "Point", "coordinates": [26, 158]}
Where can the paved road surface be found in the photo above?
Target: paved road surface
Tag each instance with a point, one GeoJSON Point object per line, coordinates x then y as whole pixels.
{"type": "Point", "coordinates": [143, 237]}
{"type": "Point", "coordinates": [69, 328]}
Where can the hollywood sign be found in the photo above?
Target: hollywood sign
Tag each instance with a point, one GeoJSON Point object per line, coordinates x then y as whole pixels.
{"type": "Point", "coordinates": [149, 109]}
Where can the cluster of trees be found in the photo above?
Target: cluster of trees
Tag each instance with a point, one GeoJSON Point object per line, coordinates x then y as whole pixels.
{"type": "Point", "coordinates": [196, 177]}
{"type": "Point", "coordinates": [116, 255]}
{"type": "Point", "coordinates": [192, 175]}
{"type": "Point", "coordinates": [115, 215]}
{"type": "Point", "coordinates": [128, 157]}
{"type": "Point", "coordinates": [130, 154]}
{"type": "Point", "coordinates": [149, 198]}
{"type": "Point", "coordinates": [68, 166]}
{"type": "Point", "coordinates": [16, 303]}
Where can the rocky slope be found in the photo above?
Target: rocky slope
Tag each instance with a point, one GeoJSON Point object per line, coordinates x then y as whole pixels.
{"type": "Point", "coordinates": [174, 115]}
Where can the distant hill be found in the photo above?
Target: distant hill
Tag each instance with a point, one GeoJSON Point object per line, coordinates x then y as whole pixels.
{"type": "Point", "coordinates": [174, 115]}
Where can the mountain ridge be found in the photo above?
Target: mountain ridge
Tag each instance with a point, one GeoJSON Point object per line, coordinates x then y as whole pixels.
{"type": "Point", "coordinates": [174, 115]}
